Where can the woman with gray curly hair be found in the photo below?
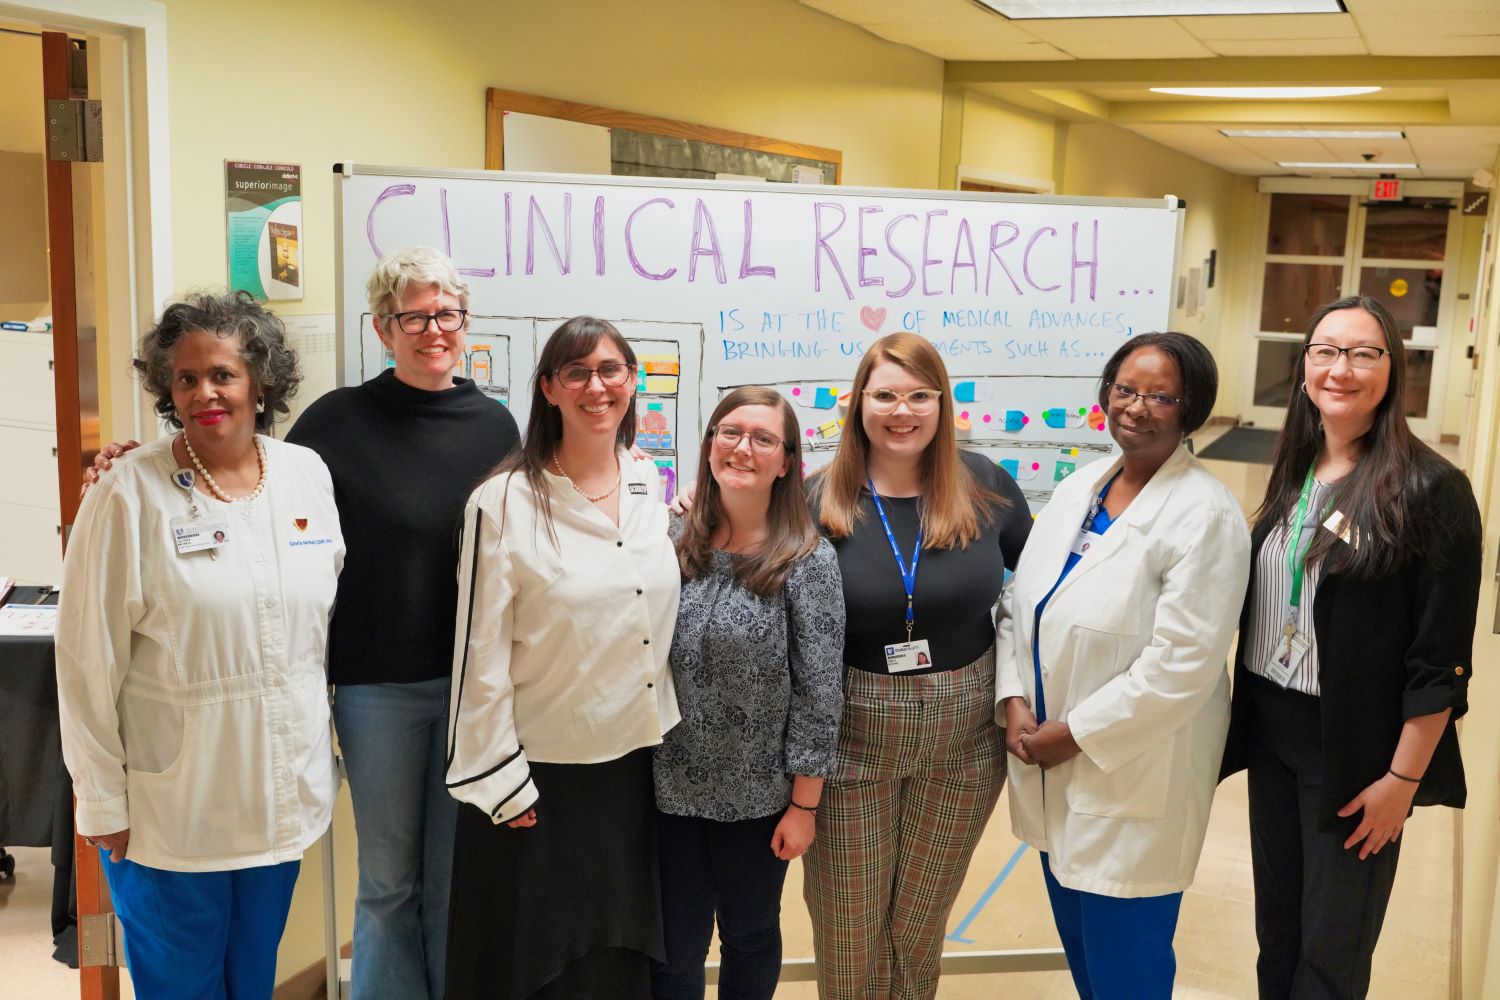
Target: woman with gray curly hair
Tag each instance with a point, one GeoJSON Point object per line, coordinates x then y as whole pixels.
{"type": "Point", "coordinates": [197, 591]}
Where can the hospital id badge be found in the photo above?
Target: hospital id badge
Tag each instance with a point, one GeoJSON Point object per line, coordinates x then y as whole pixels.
{"type": "Point", "coordinates": [1284, 660]}
{"type": "Point", "coordinates": [1084, 542]}
{"type": "Point", "coordinates": [198, 534]}
{"type": "Point", "coordinates": [904, 656]}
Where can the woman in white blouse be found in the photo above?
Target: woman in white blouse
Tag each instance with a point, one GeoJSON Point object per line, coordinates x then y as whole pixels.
{"type": "Point", "coordinates": [190, 658]}
{"type": "Point", "coordinates": [568, 591]}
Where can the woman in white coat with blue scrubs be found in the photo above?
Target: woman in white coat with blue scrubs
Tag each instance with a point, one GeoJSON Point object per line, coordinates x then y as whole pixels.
{"type": "Point", "coordinates": [1111, 667]}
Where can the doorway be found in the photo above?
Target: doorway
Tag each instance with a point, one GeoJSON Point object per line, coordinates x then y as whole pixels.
{"type": "Point", "coordinates": [1319, 245]}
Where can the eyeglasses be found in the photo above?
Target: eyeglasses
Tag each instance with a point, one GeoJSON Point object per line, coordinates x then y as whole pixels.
{"type": "Point", "coordinates": [415, 323]}
{"type": "Point", "coordinates": [1126, 395]}
{"type": "Point", "coordinates": [919, 401]}
{"type": "Point", "coordinates": [1326, 355]}
{"type": "Point", "coordinates": [612, 374]}
{"type": "Point", "coordinates": [729, 437]}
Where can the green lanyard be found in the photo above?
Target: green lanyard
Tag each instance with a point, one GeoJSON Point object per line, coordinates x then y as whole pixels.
{"type": "Point", "coordinates": [1296, 562]}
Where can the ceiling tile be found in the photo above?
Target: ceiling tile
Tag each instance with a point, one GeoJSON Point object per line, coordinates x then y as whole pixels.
{"type": "Point", "coordinates": [1288, 46]}
{"type": "Point", "coordinates": [1405, 6]}
{"type": "Point", "coordinates": [871, 12]}
{"type": "Point", "coordinates": [1121, 38]}
{"type": "Point", "coordinates": [1422, 45]}
{"type": "Point", "coordinates": [1431, 23]}
{"type": "Point", "coordinates": [960, 43]}
{"type": "Point", "coordinates": [1271, 26]}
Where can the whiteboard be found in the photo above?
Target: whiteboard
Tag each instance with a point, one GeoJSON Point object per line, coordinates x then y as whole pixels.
{"type": "Point", "coordinates": [720, 284]}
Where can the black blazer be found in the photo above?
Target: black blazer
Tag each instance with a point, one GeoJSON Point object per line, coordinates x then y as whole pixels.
{"type": "Point", "coordinates": [1389, 649]}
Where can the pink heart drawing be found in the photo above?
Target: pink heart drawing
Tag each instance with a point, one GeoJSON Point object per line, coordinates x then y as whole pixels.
{"type": "Point", "coordinates": [872, 318]}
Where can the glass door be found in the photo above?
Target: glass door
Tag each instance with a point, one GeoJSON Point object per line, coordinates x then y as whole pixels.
{"type": "Point", "coordinates": [1319, 247]}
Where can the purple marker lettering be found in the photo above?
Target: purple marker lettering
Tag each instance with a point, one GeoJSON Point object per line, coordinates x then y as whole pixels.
{"type": "Point", "coordinates": [534, 217]}
{"type": "Point", "coordinates": [447, 233]}
{"type": "Point", "coordinates": [1026, 260]}
{"type": "Point", "coordinates": [599, 235]}
{"type": "Point", "coordinates": [820, 246]}
{"type": "Point", "coordinates": [702, 221]}
{"type": "Point", "coordinates": [865, 251]}
{"type": "Point", "coordinates": [926, 238]}
{"type": "Point", "coordinates": [964, 239]}
{"type": "Point", "coordinates": [890, 244]}
{"type": "Point", "coordinates": [507, 234]}
{"type": "Point", "coordinates": [630, 244]}
{"type": "Point", "coordinates": [395, 190]}
{"type": "Point", "coordinates": [748, 269]}
{"type": "Point", "coordinates": [1091, 264]}
{"type": "Point", "coordinates": [994, 255]}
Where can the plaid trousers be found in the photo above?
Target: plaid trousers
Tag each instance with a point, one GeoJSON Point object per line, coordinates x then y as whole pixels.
{"type": "Point", "coordinates": [920, 767]}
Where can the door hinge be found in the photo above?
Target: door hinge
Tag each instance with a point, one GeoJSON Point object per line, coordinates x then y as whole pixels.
{"type": "Point", "coordinates": [75, 131]}
{"type": "Point", "coordinates": [99, 939]}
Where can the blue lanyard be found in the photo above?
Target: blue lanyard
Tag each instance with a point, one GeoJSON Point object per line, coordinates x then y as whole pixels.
{"type": "Point", "coordinates": [908, 577]}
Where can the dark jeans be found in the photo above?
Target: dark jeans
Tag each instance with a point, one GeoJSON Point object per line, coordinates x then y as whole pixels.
{"type": "Point", "coordinates": [1318, 907]}
{"type": "Point", "coordinates": [725, 870]}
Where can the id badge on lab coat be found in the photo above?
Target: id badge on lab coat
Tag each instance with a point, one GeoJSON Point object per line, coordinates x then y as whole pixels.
{"type": "Point", "coordinates": [198, 534]}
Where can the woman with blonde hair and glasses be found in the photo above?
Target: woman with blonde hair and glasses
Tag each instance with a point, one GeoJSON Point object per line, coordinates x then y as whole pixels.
{"type": "Point", "coordinates": [756, 664]}
{"type": "Point", "coordinates": [923, 534]}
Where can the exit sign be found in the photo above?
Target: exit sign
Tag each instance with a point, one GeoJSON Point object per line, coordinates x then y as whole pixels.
{"type": "Point", "coordinates": [1385, 189]}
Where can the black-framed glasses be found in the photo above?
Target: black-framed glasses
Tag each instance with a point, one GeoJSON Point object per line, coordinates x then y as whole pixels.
{"type": "Point", "coordinates": [1126, 395]}
{"type": "Point", "coordinates": [612, 374]}
{"type": "Point", "coordinates": [1327, 355]}
{"type": "Point", "coordinates": [415, 322]}
{"type": "Point", "coordinates": [762, 442]}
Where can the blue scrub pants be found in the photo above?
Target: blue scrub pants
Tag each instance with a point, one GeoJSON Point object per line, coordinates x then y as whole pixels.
{"type": "Point", "coordinates": [201, 935]}
{"type": "Point", "coordinates": [1116, 947]}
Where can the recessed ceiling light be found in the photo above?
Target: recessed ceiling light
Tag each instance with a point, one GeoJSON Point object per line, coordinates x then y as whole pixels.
{"type": "Point", "coordinates": [1299, 165]}
{"type": "Point", "coordinates": [1311, 133]}
{"type": "Point", "coordinates": [1021, 10]}
{"type": "Point", "coordinates": [1265, 93]}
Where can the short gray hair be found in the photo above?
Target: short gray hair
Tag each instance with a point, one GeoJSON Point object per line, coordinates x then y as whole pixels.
{"type": "Point", "coordinates": [262, 342]}
{"type": "Point", "coordinates": [419, 266]}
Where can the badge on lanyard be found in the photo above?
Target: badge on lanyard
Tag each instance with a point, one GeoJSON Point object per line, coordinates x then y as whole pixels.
{"type": "Point", "coordinates": [196, 532]}
{"type": "Point", "coordinates": [1287, 654]}
{"type": "Point", "coordinates": [908, 655]}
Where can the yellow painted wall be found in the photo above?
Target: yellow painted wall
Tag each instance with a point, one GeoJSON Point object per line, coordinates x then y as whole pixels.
{"type": "Point", "coordinates": [1005, 140]}
{"type": "Point", "coordinates": [1107, 161]}
{"type": "Point", "coordinates": [23, 254]}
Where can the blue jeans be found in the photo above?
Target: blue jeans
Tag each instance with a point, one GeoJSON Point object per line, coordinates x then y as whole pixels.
{"type": "Point", "coordinates": [1116, 948]}
{"type": "Point", "coordinates": [394, 741]}
{"type": "Point", "coordinates": [201, 935]}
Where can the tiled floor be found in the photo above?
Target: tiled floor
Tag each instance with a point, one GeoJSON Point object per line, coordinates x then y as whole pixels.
{"type": "Point", "coordinates": [1215, 938]}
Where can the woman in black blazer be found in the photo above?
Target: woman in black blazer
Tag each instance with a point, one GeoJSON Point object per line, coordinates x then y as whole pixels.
{"type": "Point", "coordinates": [1354, 654]}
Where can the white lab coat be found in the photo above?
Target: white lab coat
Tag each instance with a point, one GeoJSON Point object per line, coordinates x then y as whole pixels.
{"type": "Point", "coordinates": [1133, 649]}
{"type": "Point", "coordinates": [192, 690]}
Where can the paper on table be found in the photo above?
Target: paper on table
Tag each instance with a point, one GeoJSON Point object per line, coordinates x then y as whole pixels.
{"type": "Point", "coordinates": [28, 619]}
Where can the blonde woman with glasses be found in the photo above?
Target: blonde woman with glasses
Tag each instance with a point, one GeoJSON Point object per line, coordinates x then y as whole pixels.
{"type": "Point", "coordinates": [923, 533]}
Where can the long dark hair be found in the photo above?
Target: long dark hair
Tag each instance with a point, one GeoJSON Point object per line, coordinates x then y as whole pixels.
{"type": "Point", "coordinates": [791, 535]}
{"type": "Point", "coordinates": [575, 339]}
{"type": "Point", "coordinates": [953, 501]}
{"type": "Point", "coordinates": [1380, 498]}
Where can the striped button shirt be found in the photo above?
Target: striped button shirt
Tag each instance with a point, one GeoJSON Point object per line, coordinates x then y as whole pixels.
{"type": "Point", "coordinates": [1270, 602]}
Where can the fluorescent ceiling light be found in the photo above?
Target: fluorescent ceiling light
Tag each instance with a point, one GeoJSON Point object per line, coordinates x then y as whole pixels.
{"type": "Point", "coordinates": [1311, 133]}
{"type": "Point", "coordinates": [1265, 93]}
{"type": "Point", "coordinates": [1299, 165]}
{"type": "Point", "coordinates": [1021, 10]}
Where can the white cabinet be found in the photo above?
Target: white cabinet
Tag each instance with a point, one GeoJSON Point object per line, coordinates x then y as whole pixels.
{"type": "Point", "coordinates": [30, 539]}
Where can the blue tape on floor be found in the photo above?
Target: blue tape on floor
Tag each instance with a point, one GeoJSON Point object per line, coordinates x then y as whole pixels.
{"type": "Point", "coordinates": [957, 934]}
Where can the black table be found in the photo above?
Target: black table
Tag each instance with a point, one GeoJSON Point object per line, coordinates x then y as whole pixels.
{"type": "Point", "coordinates": [36, 793]}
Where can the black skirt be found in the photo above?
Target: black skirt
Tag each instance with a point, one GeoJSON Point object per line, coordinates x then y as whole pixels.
{"type": "Point", "coordinates": [569, 908]}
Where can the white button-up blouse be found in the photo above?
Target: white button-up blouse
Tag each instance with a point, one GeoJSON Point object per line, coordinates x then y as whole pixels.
{"type": "Point", "coordinates": [192, 688]}
{"type": "Point", "coordinates": [560, 648]}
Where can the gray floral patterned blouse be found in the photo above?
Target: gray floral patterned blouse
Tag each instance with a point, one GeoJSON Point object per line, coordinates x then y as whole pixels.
{"type": "Point", "coordinates": [754, 712]}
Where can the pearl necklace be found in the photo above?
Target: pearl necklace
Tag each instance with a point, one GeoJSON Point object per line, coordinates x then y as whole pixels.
{"type": "Point", "coordinates": [214, 488]}
{"type": "Point", "coordinates": [591, 499]}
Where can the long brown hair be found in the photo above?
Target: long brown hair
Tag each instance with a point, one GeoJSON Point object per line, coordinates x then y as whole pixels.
{"type": "Point", "coordinates": [953, 502]}
{"type": "Point", "coordinates": [1380, 497]}
{"type": "Point", "coordinates": [575, 339]}
{"type": "Point", "coordinates": [791, 535]}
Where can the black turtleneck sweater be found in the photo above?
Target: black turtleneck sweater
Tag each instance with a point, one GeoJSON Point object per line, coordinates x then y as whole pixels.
{"type": "Point", "coordinates": [403, 461]}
